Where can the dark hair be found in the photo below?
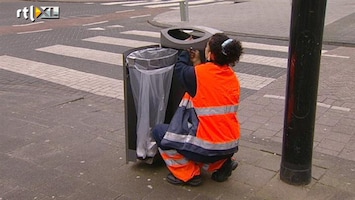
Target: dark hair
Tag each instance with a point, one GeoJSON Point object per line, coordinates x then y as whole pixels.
{"type": "Point", "coordinates": [225, 50]}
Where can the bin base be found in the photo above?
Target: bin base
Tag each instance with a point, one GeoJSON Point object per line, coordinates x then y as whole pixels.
{"type": "Point", "coordinates": [131, 155]}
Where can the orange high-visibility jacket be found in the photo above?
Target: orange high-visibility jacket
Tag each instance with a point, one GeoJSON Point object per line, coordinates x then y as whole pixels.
{"type": "Point", "coordinates": [215, 103]}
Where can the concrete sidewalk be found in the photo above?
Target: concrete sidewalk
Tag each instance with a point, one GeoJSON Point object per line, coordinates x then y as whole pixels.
{"type": "Point", "coordinates": [71, 146]}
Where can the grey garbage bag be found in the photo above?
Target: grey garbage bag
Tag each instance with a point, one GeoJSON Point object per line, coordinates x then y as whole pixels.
{"type": "Point", "coordinates": [151, 72]}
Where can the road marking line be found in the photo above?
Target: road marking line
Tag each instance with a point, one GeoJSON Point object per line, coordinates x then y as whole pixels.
{"type": "Point", "coordinates": [323, 105]}
{"type": "Point", "coordinates": [37, 31]}
{"type": "Point", "coordinates": [96, 29]}
{"type": "Point", "coordinates": [335, 56]}
{"type": "Point", "coordinates": [253, 82]}
{"type": "Point", "coordinates": [318, 103]}
{"type": "Point", "coordinates": [268, 47]}
{"type": "Point", "coordinates": [246, 58]}
{"type": "Point", "coordinates": [274, 96]}
{"type": "Point", "coordinates": [264, 60]}
{"type": "Point", "coordinates": [29, 24]}
{"type": "Point", "coordinates": [142, 33]}
{"type": "Point", "coordinates": [115, 26]}
{"type": "Point", "coordinates": [140, 16]}
{"type": "Point", "coordinates": [95, 23]}
{"type": "Point", "coordinates": [83, 81]}
{"type": "Point", "coordinates": [341, 108]}
{"type": "Point", "coordinates": [119, 41]}
{"type": "Point", "coordinates": [84, 53]}
{"type": "Point", "coordinates": [124, 11]}
{"type": "Point", "coordinates": [249, 45]}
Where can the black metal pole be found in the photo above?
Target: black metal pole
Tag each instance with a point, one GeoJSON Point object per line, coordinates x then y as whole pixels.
{"type": "Point", "coordinates": [306, 35]}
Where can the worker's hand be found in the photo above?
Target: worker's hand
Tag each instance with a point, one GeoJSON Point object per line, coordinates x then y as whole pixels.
{"type": "Point", "coordinates": [195, 56]}
{"type": "Point", "coordinates": [189, 38]}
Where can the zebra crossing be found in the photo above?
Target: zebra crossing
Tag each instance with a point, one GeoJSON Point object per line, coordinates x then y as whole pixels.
{"type": "Point", "coordinates": [109, 87]}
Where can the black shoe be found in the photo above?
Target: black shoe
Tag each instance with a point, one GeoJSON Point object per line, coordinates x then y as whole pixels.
{"type": "Point", "coordinates": [195, 181]}
{"type": "Point", "coordinates": [225, 171]}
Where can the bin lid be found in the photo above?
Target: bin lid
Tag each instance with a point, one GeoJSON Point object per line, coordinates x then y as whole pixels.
{"type": "Point", "coordinates": [177, 37]}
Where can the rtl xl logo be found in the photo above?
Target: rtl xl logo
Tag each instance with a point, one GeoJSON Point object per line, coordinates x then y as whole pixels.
{"type": "Point", "coordinates": [42, 12]}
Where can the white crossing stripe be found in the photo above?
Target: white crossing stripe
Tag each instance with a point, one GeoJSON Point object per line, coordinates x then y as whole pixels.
{"type": "Point", "coordinates": [119, 41]}
{"type": "Point", "coordinates": [84, 53]}
{"type": "Point", "coordinates": [142, 33]}
{"type": "Point", "coordinates": [29, 24]}
{"type": "Point", "coordinates": [253, 82]}
{"type": "Point", "coordinates": [268, 47]}
{"type": "Point", "coordinates": [335, 56]}
{"type": "Point", "coordinates": [124, 11]}
{"type": "Point", "coordinates": [264, 60]}
{"type": "Point", "coordinates": [87, 82]}
{"type": "Point", "coordinates": [95, 23]}
{"type": "Point", "coordinates": [274, 96]}
{"type": "Point", "coordinates": [248, 81]}
{"type": "Point", "coordinates": [96, 29]}
{"type": "Point", "coordinates": [246, 58]}
{"type": "Point", "coordinates": [345, 109]}
{"type": "Point", "coordinates": [115, 26]}
{"type": "Point", "coordinates": [248, 45]}
{"type": "Point", "coordinates": [341, 108]}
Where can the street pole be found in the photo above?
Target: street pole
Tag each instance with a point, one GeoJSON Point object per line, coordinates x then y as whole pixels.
{"type": "Point", "coordinates": [184, 10]}
{"type": "Point", "coordinates": [306, 35]}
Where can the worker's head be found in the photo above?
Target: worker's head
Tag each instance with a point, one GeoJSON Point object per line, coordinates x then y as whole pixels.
{"type": "Point", "coordinates": [222, 50]}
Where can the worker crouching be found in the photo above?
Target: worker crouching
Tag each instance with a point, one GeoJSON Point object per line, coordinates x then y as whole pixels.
{"type": "Point", "coordinates": [204, 132]}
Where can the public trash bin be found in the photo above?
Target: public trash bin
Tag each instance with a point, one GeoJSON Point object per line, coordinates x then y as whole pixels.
{"type": "Point", "coordinates": [152, 90]}
{"type": "Point", "coordinates": [151, 71]}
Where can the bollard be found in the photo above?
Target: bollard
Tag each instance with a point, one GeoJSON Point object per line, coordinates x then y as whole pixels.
{"type": "Point", "coordinates": [184, 10]}
{"type": "Point", "coordinates": [306, 35]}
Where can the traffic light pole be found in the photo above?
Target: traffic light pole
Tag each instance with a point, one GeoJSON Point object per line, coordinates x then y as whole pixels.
{"type": "Point", "coordinates": [306, 35]}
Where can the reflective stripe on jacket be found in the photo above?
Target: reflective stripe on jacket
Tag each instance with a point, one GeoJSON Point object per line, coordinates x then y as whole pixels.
{"type": "Point", "coordinates": [215, 103]}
